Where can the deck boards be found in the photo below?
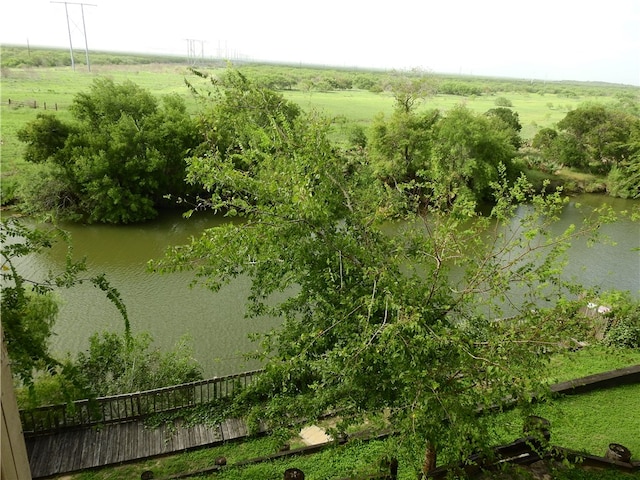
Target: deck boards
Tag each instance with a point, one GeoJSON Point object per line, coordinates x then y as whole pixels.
{"type": "Point", "coordinates": [75, 450]}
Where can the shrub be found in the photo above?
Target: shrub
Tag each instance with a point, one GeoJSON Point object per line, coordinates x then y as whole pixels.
{"type": "Point", "coordinates": [503, 102]}
{"type": "Point", "coordinates": [625, 331]}
{"type": "Point", "coordinates": [119, 364]}
{"type": "Point", "coordinates": [624, 322]}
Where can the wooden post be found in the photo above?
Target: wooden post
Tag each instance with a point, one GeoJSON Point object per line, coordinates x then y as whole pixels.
{"type": "Point", "coordinates": [15, 463]}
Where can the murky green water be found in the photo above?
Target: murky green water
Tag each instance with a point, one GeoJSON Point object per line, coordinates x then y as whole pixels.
{"type": "Point", "coordinates": [168, 308]}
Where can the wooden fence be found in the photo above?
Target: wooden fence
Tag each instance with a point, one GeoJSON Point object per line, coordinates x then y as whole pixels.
{"type": "Point", "coordinates": [131, 406]}
{"type": "Point", "coordinates": [31, 104]}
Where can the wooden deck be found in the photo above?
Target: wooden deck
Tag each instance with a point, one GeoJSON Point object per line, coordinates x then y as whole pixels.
{"type": "Point", "coordinates": [79, 449]}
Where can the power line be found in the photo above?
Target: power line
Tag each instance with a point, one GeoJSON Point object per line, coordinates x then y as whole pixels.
{"type": "Point", "coordinates": [191, 50]}
{"type": "Point", "coordinates": [84, 31]}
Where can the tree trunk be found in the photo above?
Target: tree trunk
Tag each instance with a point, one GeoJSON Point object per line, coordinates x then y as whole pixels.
{"type": "Point", "coordinates": [430, 455]}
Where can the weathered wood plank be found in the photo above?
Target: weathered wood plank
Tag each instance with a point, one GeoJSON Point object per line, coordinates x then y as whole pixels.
{"type": "Point", "coordinates": [166, 440]}
{"type": "Point", "coordinates": [73, 457]}
{"type": "Point", "coordinates": [106, 447]}
{"type": "Point", "coordinates": [74, 450]}
{"type": "Point", "coordinates": [88, 447]}
{"type": "Point", "coordinates": [133, 436]}
{"type": "Point", "coordinates": [41, 453]}
{"type": "Point", "coordinates": [61, 446]}
{"type": "Point", "coordinates": [131, 444]}
{"type": "Point", "coordinates": [188, 440]}
{"type": "Point", "coordinates": [93, 459]}
{"type": "Point", "coordinates": [224, 427]}
{"type": "Point", "coordinates": [178, 437]}
{"type": "Point", "coordinates": [143, 434]}
{"type": "Point", "coordinates": [123, 443]}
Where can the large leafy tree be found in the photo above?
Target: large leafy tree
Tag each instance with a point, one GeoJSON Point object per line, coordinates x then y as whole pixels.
{"type": "Point", "coordinates": [468, 152]}
{"type": "Point", "coordinates": [624, 178]}
{"type": "Point", "coordinates": [510, 121]}
{"type": "Point", "coordinates": [400, 147]}
{"type": "Point", "coordinates": [600, 133]}
{"type": "Point", "coordinates": [116, 162]}
{"type": "Point", "coordinates": [378, 318]}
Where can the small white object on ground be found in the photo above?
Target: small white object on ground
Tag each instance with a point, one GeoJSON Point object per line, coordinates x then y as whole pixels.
{"type": "Point", "coordinates": [313, 435]}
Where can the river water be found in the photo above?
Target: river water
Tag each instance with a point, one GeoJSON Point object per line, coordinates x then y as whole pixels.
{"type": "Point", "coordinates": [167, 308]}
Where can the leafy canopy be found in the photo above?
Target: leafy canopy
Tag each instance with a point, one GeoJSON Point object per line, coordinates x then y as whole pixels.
{"type": "Point", "coordinates": [116, 162]}
{"type": "Point", "coordinates": [381, 313]}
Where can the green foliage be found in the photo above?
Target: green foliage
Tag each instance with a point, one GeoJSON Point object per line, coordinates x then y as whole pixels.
{"type": "Point", "coordinates": [45, 137]}
{"type": "Point", "coordinates": [624, 325]}
{"type": "Point", "coordinates": [624, 180]}
{"type": "Point", "coordinates": [117, 363]}
{"type": "Point", "coordinates": [116, 163]}
{"type": "Point", "coordinates": [409, 89]}
{"type": "Point", "coordinates": [544, 138]}
{"type": "Point", "coordinates": [401, 147]}
{"type": "Point", "coordinates": [603, 133]}
{"type": "Point", "coordinates": [468, 150]}
{"type": "Point", "coordinates": [44, 188]}
{"type": "Point", "coordinates": [233, 119]}
{"type": "Point", "coordinates": [371, 320]}
{"type": "Point", "coordinates": [459, 152]}
{"type": "Point", "coordinates": [114, 363]}
{"type": "Point", "coordinates": [596, 138]}
{"type": "Point", "coordinates": [20, 57]}
{"type": "Point", "coordinates": [503, 102]}
{"type": "Point", "coordinates": [511, 121]}
{"type": "Point", "coordinates": [464, 89]}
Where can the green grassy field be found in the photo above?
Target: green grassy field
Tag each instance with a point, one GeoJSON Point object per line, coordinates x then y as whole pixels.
{"type": "Point", "coordinates": [59, 85]}
{"type": "Point", "coordinates": [536, 111]}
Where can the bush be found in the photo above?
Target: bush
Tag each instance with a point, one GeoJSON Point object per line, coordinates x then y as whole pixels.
{"type": "Point", "coordinates": [624, 324]}
{"type": "Point", "coordinates": [503, 102]}
{"type": "Point", "coordinates": [625, 332]}
{"type": "Point", "coordinates": [118, 364]}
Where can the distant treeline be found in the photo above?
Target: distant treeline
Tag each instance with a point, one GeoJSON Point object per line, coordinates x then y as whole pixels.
{"type": "Point", "coordinates": [316, 77]}
{"type": "Point", "coordinates": [18, 57]}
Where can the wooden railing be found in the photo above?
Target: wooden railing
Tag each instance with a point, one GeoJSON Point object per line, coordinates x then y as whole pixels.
{"type": "Point", "coordinates": [131, 406]}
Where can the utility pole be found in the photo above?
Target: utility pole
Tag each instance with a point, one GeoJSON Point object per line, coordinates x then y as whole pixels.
{"type": "Point", "coordinates": [191, 51]}
{"type": "Point", "coordinates": [84, 31]}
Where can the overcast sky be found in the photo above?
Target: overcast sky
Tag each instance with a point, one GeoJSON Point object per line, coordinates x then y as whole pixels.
{"type": "Point", "coordinates": [591, 40]}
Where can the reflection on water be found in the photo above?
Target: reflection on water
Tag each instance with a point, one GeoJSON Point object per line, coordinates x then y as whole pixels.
{"type": "Point", "coordinates": [168, 308]}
